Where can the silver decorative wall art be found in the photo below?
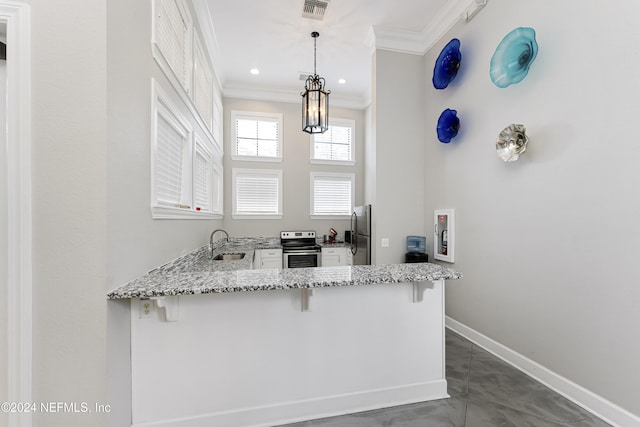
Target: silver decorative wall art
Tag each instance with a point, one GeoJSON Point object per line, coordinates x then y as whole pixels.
{"type": "Point", "coordinates": [511, 142]}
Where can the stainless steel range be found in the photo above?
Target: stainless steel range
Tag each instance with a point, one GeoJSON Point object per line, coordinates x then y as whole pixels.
{"type": "Point", "coordinates": [299, 249]}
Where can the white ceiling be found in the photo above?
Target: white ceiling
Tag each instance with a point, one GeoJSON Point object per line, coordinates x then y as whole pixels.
{"type": "Point", "coordinates": [272, 36]}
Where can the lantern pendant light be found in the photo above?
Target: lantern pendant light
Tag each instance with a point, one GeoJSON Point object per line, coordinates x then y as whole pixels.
{"type": "Point", "coordinates": [315, 100]}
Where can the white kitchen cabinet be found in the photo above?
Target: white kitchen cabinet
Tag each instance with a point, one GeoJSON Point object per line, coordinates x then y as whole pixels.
{"type": "Point", "coordinates": [335, 256]}
{"type": "Point", "coordinates": [267, 258]}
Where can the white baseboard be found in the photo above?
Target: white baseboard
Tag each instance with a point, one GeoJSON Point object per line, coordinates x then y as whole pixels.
{"type": "Point", "coordinates": [597, 405]}
{"type": "Point", "coordinates": [303, 410]}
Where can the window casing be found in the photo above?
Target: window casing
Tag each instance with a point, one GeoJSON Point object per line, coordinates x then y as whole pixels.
{"type": "Point", "coordinates": [202, 84]}
{"type": "Point", "coordinates": [217, 122]}
{"type": "Point", "coordinates": [180, 53]}
{"type": "Point", "coordinates": [172, 135]}
{"type": "Point", "coordinates": [256, 136]}
{"type": "Point", "coordinates": [217, 198]}
{"type": "Point", "coordinates": [186, 168]}
{"type": "Point", "coordinates": [172, 36]}
{"type": "Point", "coordinates": [336, 145]}
{"type": "Point", "coordinates": [207, 161]}
{"type": "Point", "coordinates": [332, 194]}
{"type": "Point", "coordinates": [186, 158]}
{"type": "Point", "coordinates": [257, 193]}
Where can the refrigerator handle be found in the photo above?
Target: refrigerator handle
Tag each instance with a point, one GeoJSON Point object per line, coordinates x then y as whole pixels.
{"type": "Point", "coordinates": [354, 228]}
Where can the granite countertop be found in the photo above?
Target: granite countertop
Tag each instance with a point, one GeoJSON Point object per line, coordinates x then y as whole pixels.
{"type": "Point", "coordinates": [196, 273]}
{"type": "Point", "coordinates": [337, 244]}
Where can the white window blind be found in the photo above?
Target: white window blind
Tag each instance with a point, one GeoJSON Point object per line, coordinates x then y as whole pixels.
{"type": "Point", "coordinates": [202, 178]}
{"type": "Point", "coordinates": [336, 144]}
{"type": "Point", "coordinates": [172, 31]}
{"type": "Point", "coordinates": [257, 136]}
{"type": "Point", "coordinates": [218, 187]}
{"type": "Point", "coordinates": [202, 84]}
{"type": "Point", "coordinates": [171, 138]}
{"type": "Point", "coordinates": [332, 194]}
{"type": "Point", "coordinates": [257, 192]}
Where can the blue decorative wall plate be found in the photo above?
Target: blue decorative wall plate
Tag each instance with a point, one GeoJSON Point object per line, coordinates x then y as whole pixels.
{"type": "Point", "coordinates": [513, 56]}
{"type": "Point", "coordinates": [448, 125]}
{"type": "Point", "coordinates": [447, 64]}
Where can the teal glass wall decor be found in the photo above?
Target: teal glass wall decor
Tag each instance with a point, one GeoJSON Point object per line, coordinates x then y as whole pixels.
{"type": "Point", "coordinates": [511, 61]}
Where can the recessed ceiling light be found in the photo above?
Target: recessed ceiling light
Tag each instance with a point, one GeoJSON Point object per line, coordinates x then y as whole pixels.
{"type": "Point", "coordinates": [342, 81]}
{"type": "Point", "coordinates": [254, 71]}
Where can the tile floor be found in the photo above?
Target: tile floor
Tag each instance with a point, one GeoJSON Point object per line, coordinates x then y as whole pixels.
{"type": "Point", "coordinates": [485, 392]}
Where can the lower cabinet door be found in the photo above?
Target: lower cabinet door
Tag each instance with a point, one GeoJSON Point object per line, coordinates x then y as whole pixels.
{"type": "Point", "coordinates": [334, 257]}
{"type": "Point", "coordinates": [268, 258]}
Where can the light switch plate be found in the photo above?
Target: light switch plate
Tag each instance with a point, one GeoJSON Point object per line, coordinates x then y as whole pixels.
{"type": "Point", "coordinates": [384, 242]}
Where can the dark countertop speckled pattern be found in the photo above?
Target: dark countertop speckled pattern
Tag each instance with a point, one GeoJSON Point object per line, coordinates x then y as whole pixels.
{"type": "Point", "coordinates": [196, 273]}
{"type": "Point", "coordinates": [340, 244]}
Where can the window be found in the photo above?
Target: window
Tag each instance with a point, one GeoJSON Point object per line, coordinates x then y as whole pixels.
{"type": "Point", "coordinates": [186, 158]}
{"type": "Point", "coordinates": [218, 188]}
{"type": "Point", "coordinates": [171, 144]}
{"type": "Point", "coordinates": [186, 169]}
{"type": "Point", "coordinates": [332, 194]}
{"type": "Point", "coordinates": [202, 176]}
{"type": "Point", "coordinates": [257, 193]}
{"type": "Point", "coordinates": [256, 136]}
{"type": "Point", "coordinates": [217, 123]}
{"type": "Point", "coordinates": [172, 31]}
{"type": "Point", "coordinates": [181, 54]}
{"type": "Point", "coordinates": [202, 84]}
{"type": "Point", "coordinates": [335, 146]}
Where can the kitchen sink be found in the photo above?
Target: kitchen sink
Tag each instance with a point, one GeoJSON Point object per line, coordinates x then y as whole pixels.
{"type": "Point", "coordinates": [229, 256]}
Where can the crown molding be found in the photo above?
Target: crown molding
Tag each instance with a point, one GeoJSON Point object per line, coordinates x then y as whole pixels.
{"type": "Point", "coordinates": [419, 42]}
{"type": "Point", "coordinates": [384, 38]}
{"type": "Point", "coordinates": [399, 40]}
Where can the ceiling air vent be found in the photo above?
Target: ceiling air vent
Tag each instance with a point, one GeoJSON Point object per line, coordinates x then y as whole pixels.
{"type": "Point", "coordinates": [314, 9]}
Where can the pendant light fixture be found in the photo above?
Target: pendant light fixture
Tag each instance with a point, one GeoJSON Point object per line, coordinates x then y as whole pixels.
{"type": "Point", "coordinates": [315, 100]}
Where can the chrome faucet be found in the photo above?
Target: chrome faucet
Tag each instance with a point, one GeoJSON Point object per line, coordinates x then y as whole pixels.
{"type": "Point", "coordinates": [211, 239]}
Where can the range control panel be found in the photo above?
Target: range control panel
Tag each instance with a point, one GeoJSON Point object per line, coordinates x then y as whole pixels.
{"type": "Point", "coordinates": [297, 234]}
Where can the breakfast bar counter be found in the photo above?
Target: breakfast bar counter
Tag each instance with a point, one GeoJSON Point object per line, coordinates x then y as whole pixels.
{"type": "Point", "coordinates": [219, 344]}
{"type": "Point", "coordinates": [203, 276]}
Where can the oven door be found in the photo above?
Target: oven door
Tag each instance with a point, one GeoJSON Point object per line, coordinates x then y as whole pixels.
{"type": "Point", "coordinates": [300, 259]}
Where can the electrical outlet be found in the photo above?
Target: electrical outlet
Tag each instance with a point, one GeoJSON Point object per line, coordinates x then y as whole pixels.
{"type": "Point", "coordinates": [146, 308]}
{"type": "Point", "coordinates": [384, 242]}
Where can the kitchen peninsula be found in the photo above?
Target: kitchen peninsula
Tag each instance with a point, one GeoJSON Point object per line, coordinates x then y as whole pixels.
{"type": "Point", "coordinates": [215, 343]}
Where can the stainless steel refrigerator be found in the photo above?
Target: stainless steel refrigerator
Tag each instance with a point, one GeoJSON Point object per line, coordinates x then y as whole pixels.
{"type": "Point", "coordinates": [361, 235]}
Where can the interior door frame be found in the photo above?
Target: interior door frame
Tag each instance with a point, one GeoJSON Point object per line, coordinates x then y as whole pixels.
{"type": "Point", "coordinates": [19, 215]}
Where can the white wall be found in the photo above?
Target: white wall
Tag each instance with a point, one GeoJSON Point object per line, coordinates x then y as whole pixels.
{"type": "Point", "coordinates": [547, 245]}
{"type": "Point", "coordinates": [397, 147]}
{"type": "Point", "coordinates": [69, 102]}
{"type": "Point", "coordinates": [296, 168]}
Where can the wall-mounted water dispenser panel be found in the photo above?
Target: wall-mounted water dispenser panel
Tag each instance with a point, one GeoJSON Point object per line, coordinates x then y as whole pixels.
{"type": "Point", "coordinates": [443, 234]}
